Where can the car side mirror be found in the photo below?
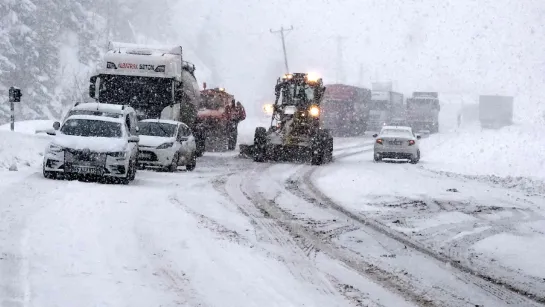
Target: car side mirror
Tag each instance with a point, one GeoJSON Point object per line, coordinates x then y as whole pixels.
{"type": "Point", "coordinates": [375, 135]}
{"type": "Point", "coordinates": [418, 137]}
{"type": "Point", "coordinates": [134, 139]}
{"type": "Point", "coordinates": [51, 132]}
{"type": "Point", "coordinates": [56, 125]}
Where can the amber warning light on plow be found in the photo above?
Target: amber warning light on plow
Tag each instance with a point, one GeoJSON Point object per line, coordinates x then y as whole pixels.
{"type": "Point", "coordinates": [268, 109]}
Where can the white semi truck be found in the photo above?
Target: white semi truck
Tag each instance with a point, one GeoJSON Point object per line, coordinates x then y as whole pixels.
{"type": "Point", "coordinates": [154, 80]}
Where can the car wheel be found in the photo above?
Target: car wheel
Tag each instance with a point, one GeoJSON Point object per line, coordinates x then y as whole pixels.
{"type": "Point", "coordinates": [415, 160]}
{"type": "Point", "coordinates": [377, 157]}
{"type": "Point", "coordinates": [193, 163]}
{"type": "Point", "coordinates": [132, 170]}
{"type": "Point", "coordinates": [174, 165]}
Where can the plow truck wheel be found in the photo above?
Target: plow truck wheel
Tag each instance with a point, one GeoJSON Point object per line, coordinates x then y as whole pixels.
{"type": "Point", "coordinates": [260, 144]}
{"type": "Point", "coordinates": [320, 147]}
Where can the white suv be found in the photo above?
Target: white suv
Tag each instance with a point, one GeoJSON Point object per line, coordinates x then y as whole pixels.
{"type": "Point", "coordinates": [92, 145]}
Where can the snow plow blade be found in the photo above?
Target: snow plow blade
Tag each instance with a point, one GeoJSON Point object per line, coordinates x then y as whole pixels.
{"type": "Point", "coordinates": [246, 151]}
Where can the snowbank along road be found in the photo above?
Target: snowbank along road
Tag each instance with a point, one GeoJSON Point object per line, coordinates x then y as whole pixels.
{"type": "Point", "coordinates": [239, 233]}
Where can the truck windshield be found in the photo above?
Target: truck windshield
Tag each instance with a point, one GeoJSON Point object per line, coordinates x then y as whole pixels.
{"type": "Point", "coordinates": [422, 103]}
{"type": "Point", "coordinates": [295, 94]}
{"type": "Point", "coordinates": [156, 129]}
{"type": "Point", "coordinates": [92, 128]}
{"type": "Point", "coordinates": [212, 102]}
{"type": "Point", "coordinates": [145, 93]}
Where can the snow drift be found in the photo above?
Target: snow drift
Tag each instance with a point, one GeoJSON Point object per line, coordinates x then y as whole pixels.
{"type": "Point", "coordinates": [21, 149]}
{"type": "Point", "coordinates": [511, 152]}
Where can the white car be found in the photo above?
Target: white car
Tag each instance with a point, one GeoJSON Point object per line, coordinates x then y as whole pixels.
{"type": "Point", "coordinates": [397, 142]}
{"type": "Point", "coordinates": [166, 144]}
{"type": "Point", "coordinates": [92, 145]}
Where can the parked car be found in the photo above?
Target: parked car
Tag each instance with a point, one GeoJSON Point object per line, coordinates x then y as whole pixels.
{"type": "Point", "coordinates": [166, 144]}
{"type": "Point", "coordinates": [97, 146]}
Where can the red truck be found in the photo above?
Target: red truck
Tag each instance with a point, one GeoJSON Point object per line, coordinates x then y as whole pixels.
{"type": "Point", "coordinates": [345, 109]}
{"type": "Point", "coordinates": [217, 120]}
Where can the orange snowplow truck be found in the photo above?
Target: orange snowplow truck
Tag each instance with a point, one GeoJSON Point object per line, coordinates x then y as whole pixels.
{"type": "Point", "coordinates": [218, 117]}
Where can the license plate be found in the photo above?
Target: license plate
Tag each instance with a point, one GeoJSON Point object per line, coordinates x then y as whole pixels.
{"type": "Point", "coordinates": [395, 143]}
{"type": "Point", "coordinates": [86, 170]}
{"type": "Point", "coordinates": [144, 155]}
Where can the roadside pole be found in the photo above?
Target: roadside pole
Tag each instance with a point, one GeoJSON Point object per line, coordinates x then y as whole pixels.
{"type": "Point", "coordinates": [14, 96]}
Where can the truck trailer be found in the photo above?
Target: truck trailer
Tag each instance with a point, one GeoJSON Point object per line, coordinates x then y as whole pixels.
{"type": "Point", "coordinates": [345, 109]}
{"type": "Point", "coordinates": [495, 111]}
{"type": "Point", "coordinates": [423, 111]}
{"type": "Point", "coordinates": [384, 108]}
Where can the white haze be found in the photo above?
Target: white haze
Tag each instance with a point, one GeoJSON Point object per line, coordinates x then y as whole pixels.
{"type": "Point", "coordinates": [456, 47]}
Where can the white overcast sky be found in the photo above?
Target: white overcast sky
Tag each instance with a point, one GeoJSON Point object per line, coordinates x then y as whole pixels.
{"type": "Point", "coordinates": [460, 46]}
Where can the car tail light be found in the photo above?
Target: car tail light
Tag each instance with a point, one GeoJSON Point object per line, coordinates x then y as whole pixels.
{"type": "Point", "coordinates": [411, 142]}
{"type": "Point", "coordinates": [379, 141]}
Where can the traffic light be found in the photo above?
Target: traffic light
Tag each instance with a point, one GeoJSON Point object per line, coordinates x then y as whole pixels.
{"type": "Point", "coordinates": [15, 94]}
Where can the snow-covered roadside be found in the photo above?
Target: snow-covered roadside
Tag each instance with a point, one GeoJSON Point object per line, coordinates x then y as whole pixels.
{"type": "Point", "coordinates": [22, 150]}
{"type": "Point", "coordinates": [511, 152]}
{"type": "Point", "coordinates": [167, 239]}
{"type": "Point", "coordinates": [470, 221]}
{"type": "Point", "coordinates": [29, 126]}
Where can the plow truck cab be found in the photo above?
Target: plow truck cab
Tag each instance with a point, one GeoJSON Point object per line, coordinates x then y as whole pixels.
{"type": "Point", "coordinates": [218, 117]}
{"type": "Point", "coordinates": [295, 132]}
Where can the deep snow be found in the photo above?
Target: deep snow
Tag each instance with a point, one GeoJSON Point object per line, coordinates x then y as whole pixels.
{"type": "Point", "coordinates": [474, 221]}
{"type": "Point", "coordinates": [511, 151]}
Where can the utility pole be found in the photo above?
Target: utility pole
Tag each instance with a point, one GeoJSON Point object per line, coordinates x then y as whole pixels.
{"type": "Point", "coordinates": [340, 70]}
{"type": "Point", "coordinates": [281, 31]}
{"type": "Point", "coordinates": [361, 75]}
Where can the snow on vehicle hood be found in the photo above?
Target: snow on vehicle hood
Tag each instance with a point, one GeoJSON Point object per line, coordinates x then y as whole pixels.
{"type": "Point", "coordinates": [153, 141]}
{"type": "Point", "coordinates": [97, 144]}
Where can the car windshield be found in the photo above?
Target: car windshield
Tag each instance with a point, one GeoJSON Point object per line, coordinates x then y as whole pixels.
{"type": "Point", "coordinates": [94, 113]}
{"type": "Point", "coordinates": [403, 132]}
{"type": "Point", "coordinates": [92, 128]}
{"type": "Point", "coordinates": [156, 129]}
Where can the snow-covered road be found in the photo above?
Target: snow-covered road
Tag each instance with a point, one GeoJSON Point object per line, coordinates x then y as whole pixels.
{"type": "Point", "coordinates": [239, 233]}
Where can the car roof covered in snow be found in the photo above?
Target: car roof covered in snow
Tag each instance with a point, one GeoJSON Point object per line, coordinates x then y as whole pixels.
{"type": "Point", "coordinates": [404, 128]}
{"type": "Point", "coordinates": [162, 121]}
{"type": "Point", "coordinates": [103, 107]}
{"type": "Point", "coordinates": [97, 118]}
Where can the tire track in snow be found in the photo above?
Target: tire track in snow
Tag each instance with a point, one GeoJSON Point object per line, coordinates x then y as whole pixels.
{"type": "Point", "coordinates": [284, 227]}
{"type": "Point", "coordinates": [271, 233]}
{"type": "Point", "coordinates": [503, 290]}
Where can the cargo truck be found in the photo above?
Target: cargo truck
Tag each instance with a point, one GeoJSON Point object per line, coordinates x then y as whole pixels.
{"type": "Point", "coordinates": [495, 111]}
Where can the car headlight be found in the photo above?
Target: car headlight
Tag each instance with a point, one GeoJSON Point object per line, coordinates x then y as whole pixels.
{"type": "Point", "coordinates": [314, 111]}
{"type": "Point", "coordinates": [54, 148]}
{"type": "Point", "coordinates": [118, 154]}
{"type": "Point", "coordinates": [165, 145]}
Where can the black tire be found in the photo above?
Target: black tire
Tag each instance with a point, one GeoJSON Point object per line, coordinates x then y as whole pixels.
{"type": "Point", "coordinates": [133, 169]}
{"type": "Point", "coordinates": [49, 175]}
{"type": "Point", "coordinates": [320, 147]}
{"type": "Point", "coordinates": [131, 174]}
{"type": "Point", "coordinates": [191, 166]}
{"type": "Point", "coordinates": [232, 143]}
{"type": "Point", "coordinates": [260, 144]}
{"type": "Point", "coordinates": [416, 159]}
{"type": "Point", "coordinates": [173, 167]}
{"type": "Point", "coordinates": [377, 157]}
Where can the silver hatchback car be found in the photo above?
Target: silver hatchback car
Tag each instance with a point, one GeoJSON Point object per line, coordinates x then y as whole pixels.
{"type": "Point", "coordinates": [397, 142]}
